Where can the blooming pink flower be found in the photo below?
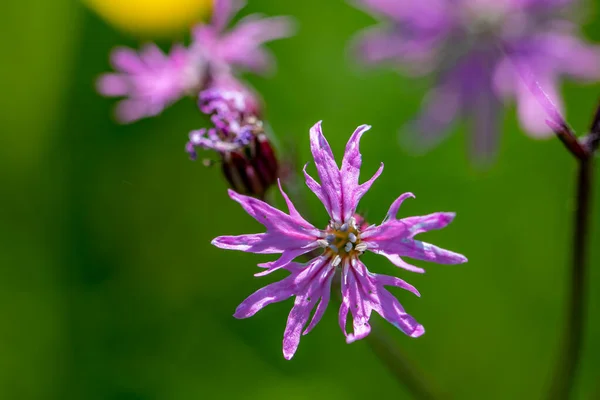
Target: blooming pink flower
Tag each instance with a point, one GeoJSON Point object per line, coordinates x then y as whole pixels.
{"type": "Point", "coordinates": [342, 242]}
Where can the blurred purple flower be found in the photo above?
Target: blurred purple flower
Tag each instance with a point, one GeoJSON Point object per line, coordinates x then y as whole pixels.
{"type": "Point", "coordinates": [461, 42]}
{"type": "Point", "coordinates": [152, 81]}
{"type": "Point", "coordinates": [343, 241]}
{"type": "Point", "coordinates": [240, 47]}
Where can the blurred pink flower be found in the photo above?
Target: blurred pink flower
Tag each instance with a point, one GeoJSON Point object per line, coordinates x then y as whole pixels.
{"type": "Point", "coordinates": [241, 46]}
{"type": "Point", "coordinates": [460, 42]}
{"type": "Point", "coordinates": [152, 81]}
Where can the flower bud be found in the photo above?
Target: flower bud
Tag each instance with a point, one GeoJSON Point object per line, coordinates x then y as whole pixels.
{"type": "Point", "coordinates": [248, 160]}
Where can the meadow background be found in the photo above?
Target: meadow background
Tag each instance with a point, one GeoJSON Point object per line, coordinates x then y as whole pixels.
{"type": "Point", "coordinates": [110, 289]}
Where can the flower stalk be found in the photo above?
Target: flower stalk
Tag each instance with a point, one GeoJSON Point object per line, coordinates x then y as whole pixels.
{"type": "Point", "coordinates": [584, 151]}
{"type": "Point", "coordinates": [401, 367]}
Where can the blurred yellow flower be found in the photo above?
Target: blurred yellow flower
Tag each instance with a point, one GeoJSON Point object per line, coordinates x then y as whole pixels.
{"type": "Point", "coordinates": [151, 17]}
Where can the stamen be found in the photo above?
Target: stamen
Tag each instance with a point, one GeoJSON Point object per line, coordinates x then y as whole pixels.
{"type": "Point", "coordinates": [333, 248]}
{"type": "Point", "coordinates": [348, 247]}
{"type": "Point", "coordinates": [330, 238]}
{"type": "Point", "coordinates": [344, 228]}
{"type": "Point", "coordinates": [323, 243]}
{"type": "Point", "coordinates": [353, 222]}
{"type": "Point", "coordinates": [336, 261]}
{"type": "Point", "coordinates": [361, 247]}
{"type": "Point", "coordinates": [352, 237]}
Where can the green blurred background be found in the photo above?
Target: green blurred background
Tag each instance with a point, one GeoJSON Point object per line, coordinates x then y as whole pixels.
{"type": "Point", "coordinates": [109, 286]}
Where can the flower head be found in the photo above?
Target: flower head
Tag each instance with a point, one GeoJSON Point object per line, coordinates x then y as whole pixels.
{"type": "Point", "coordinates": [152, 80]}
{"type": "Point", "coordinates": [240, 47]}
{"type": "Point", "coordinates": [237, 135]}
{"type": "Point", "coordinates": [342, 243]}
{"type": "Point", "coordinates": [460, 41]}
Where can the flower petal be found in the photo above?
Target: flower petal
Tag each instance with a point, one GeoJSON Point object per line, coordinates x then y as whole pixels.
{"type": "Point", "coordinates": [287, 257]}
{"type": "Point", "coordinates": [386, 280]}
{"type": "Point", "coordinates": [353, 300]}
{"type": "Point", "coordinates": [152, 56]}
{"type": "Point", "coordinates": [399, 262]}
{"type": "Point", "coordinates": [126, 60]}
{"type": "Point", "coordinates": [131, 110]}
{"type": "Point", "coordinates": [394, 238]}
{"type": "Point", "coordinates": [428, 252]}
{"type": "Point", "coordinates": [291, 208]}
{"type": "Point", "coordinates": [112, 85]}
{"type": "Point", "coordinates": [309, 283]}
{"type": "Point", "coordinates": [290, 235]}
{"type": "Point", "coordinates": [242, 45]}
{"type": "Point", "coordinates": [350, 173]}
{"type": "Point", "coordinates": [533, 108]}
{"type": "Point", "coordinates": [255, 243]}
{"type": "Point", "coordinates": [441, 106]}
{"type": "Point", "coordinates": [364, 187]}
{"type": "Point", "coordinates": [393, 211]}
{"type": "Point", "coordinates": [325, 279]}
{"type": "Point", "coordinates": [415, 249]}
{"type": "Point", "coordinates": [384, 303]}
{"type": "Point", "coordinates": [514, 76]}
{"type": "Point", "coordinates": [428, 222]}
{"type": "Point", "coordinates": [313, 283]}
{"type": "Point", "coordinates": [274, 220]}
{"type": "Point", "coordinates": [486, 125]}
{"type": "Point", "coordinates": [414, 51]}
{"type": "Point", "coordinates": [273, 293]}
{"type": "Point", "coordinates": [223, 12]}
{"type": "Point", "coordinates": [328, 171]}
{"type": "Point", "coordinates": [314, 186]}
{"type": "Point", "coordinates": [297, 318]}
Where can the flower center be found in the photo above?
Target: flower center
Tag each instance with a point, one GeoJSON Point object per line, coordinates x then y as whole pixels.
{"type": "Point", "coordinates": [342, 242]}
{"type": "Point", "coordinates": [485, 17]}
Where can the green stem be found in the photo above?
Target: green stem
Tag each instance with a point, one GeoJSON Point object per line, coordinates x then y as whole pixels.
{"type": "Point", "coordinates": [405, 372]}
{"type": "Point", "coordinates": [397, 363]}
{"type": "Point", "coordinates": [574, 327]}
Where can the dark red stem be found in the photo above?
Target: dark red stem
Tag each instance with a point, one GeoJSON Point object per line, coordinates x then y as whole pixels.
{"type": "Point", "coordinates": [566, 368]}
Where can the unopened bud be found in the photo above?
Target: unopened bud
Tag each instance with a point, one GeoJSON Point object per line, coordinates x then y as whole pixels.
{"type": "Point", "coordinates": [252, 169]}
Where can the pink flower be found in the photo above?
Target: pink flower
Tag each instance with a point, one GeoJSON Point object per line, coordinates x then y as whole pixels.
{"type": "Point", "coordinates": [151, 80]}
{"type": "Point", "coordinates": [459, 41]}
{"type": "Point", "coordinates": [241, 46]}
{"type": "Point", "coordinates": [342, 242]}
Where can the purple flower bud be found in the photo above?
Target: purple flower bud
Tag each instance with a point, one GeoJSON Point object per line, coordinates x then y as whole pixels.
{"type": "Point", "coordinates": [253, 169]}
{"type": "Point", "coordinates": [248, 160]}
